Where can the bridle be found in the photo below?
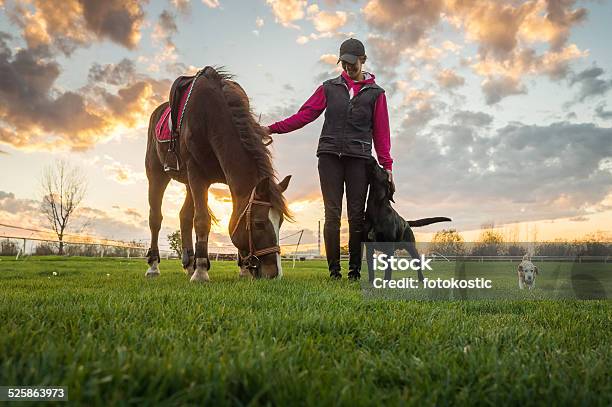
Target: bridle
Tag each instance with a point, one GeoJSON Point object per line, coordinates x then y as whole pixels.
{"type": "Point", "coordinates": [251, 261]}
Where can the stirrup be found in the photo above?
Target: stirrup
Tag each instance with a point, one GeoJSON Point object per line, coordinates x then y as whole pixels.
{"type": "Point", "coordinates": [167, 167]}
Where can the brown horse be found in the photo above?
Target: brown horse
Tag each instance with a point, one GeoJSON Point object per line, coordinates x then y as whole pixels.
{"type": "Point", "coordinates": [219, 141]}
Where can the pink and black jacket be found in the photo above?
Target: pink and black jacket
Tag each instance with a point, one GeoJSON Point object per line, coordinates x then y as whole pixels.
{"type": "Point", "coordinates": [356, 117]}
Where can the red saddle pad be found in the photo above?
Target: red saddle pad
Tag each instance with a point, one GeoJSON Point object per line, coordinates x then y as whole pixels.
{"type": "Point", "coordinates": [162, 128]}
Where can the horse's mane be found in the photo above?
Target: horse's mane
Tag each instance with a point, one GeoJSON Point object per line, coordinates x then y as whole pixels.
{"type": "Point", "coordinates": [251, 133]}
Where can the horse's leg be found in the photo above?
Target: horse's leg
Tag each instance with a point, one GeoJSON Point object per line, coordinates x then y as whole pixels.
{"type": "Point", "coordinates": [186, 218]}
{"type": "Point", "coordinates": [201, 223]}
{"type": "Point", "coordinates": [157, 185]}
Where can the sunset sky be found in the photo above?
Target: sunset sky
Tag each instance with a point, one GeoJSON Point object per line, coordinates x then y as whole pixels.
{"type": "Point", "coordinates": [500, 110]}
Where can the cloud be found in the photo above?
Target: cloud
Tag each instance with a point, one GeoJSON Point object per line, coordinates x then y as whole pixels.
{"type": "Point", "coordinates": [523, 62]}
{"type": "Point", "coordinates": [211, 3]}
{"type": "Point", "coordinates": [303, 39]}
{"type": "Point", "coordinates": [78, 23]}
{"type": "Point", "coordinates": [114, 224]}
{"type": "Point", "coordinates": [448, 79]}
{"type": "Point", "coordinates": [590, 84]}
{"type": "Point", "coordinates": [325, 21]}
{"type": "Point", "coordinates": [27, 104]}
{"type": "Point", "coordinates": [166, 25]}
{"type": "Point", "coordinates": [327, 25]}
{"type": "Point", "coordinates": [162, 33]}
{"type": "Point", "coordinates": [118, 20]}
{"type": "Point", "coordinates": [133, 213]}
{"type": "Point", "coordinates": [602, 113]}
{"type": "Point", "coordinates": [329, 59]}
{"type": "Point", "coordinates": [496, 89]}
{"type": "Point", "coordinates": [34, 114]}
{"type": "Point", "coordinates": [471, 119]}
{"type": "Point", "coordinates": [183, 6]}
{"type": "Point", "coordinates": [420, 107]}
{"type": "Point", "coordinates": [562, 18]}
{"type": "Point", "coordinates": [384, 54]}
{"type": "Point", "coordinates": [417, 117]}
{"type": "Point", "coordinates": [122, 173]}
{"type": "Point", "coordinates": [220, 194]}
{"type": "Point", "coordinates": [480, 21]}
{"type": "Point", "coordinates": [179, 68]}
{"type": "Point", "coordinates": [407, 21]}
{"type": "Point", "coordinates": [164, 30]}
{"type": "Point", "coordinates": [11, 205]}
{"type": "Point", "coordinates": [113, 74]}
{"type": "Point", "coordinates": [506, 53]}
{"type": "Point", "coordinates": [287, 11]}
{"type": "Point", "coordinates": [517, 172]}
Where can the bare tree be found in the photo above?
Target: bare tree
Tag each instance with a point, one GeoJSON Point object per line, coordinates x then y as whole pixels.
{"type": "Point", "coordinates": [63, 189]}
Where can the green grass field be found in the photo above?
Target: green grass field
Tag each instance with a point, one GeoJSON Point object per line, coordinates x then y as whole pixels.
{"type": "Point", "coordinates": [114, 338]}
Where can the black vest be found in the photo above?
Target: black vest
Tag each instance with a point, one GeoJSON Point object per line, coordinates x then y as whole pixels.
{"type": "Point", "coordinates": [347, 129]}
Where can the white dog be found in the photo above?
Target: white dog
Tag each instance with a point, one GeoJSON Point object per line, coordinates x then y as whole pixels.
{"type": "Point", "coordinates": [527, 272]}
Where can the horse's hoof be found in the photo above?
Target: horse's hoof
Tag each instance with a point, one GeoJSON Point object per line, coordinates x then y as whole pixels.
{"type": "Point", "coordinates": [152, 273]}
{"type": "Point", "coordinates": [200, 277]}
{"type": "Point", "coordinates": [189, 271]}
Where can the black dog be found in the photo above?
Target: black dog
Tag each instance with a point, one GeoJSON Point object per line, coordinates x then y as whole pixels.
{"type": "Point", "coordinates": [383, 223]}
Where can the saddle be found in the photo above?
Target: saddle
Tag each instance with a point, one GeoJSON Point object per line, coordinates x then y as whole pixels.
{"type": "Point", "coordinates": [168, 127]}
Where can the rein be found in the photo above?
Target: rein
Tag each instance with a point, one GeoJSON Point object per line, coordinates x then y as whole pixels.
{"type": "Point", "coordinates": [252, 259]}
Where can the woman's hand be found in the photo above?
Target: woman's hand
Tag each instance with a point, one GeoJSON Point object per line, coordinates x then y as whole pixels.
{"type": "Point", "coordinates": [267, 136]}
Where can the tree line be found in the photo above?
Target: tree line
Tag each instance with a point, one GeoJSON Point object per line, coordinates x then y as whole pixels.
{"type": "Point", "coordinates": [449, 242]}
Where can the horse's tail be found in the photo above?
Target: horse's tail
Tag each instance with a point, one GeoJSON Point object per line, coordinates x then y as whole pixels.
{"type": "Point", "coordinates": [213, 219]}
{"type": "Point", "coordinates": [428, 221]}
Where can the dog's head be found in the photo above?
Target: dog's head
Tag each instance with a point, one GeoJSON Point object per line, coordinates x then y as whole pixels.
{"type": "Point", "coordinates": [528, 271]}
{"type": "Point", "coordinates": [380, 187]}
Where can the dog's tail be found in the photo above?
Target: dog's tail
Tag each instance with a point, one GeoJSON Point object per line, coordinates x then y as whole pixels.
{"type": "Point", "coordinates": [427, 221]}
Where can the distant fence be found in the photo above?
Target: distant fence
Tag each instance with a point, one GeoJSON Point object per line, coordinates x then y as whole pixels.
{"type": "Point", "coordinates": [21, 246]}
{"type": "Point", "coordinates": [577, 258]}
{"type": "Point", "coordinates": [79, 245]}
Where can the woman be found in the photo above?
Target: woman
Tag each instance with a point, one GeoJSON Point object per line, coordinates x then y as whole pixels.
{"type": "Point", "coordinates": [355, 117]}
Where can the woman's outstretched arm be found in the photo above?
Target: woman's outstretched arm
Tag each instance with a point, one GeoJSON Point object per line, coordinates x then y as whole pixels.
{"type": "Point", "coordinates": [312, 109]}
{"type": "Point", "coordinates": [381, 134]}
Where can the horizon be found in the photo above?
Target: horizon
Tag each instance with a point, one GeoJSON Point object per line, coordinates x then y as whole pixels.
{"type": "Point", "coordinates": [506, 127]}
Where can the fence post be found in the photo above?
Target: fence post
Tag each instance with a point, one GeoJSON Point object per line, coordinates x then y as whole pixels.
{"type": "Point", "coordinates": [296, 248]}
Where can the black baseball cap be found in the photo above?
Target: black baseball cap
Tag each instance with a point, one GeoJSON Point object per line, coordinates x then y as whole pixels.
{"type": "Point", "coordinates": [350, 50]}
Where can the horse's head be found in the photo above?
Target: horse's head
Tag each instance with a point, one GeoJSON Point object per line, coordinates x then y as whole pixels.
{"type": "Point", "coordinates": [256, 231]}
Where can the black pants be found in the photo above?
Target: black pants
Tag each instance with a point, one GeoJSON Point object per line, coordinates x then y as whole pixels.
{"type": "Point", "coordinates": [334, 173]}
